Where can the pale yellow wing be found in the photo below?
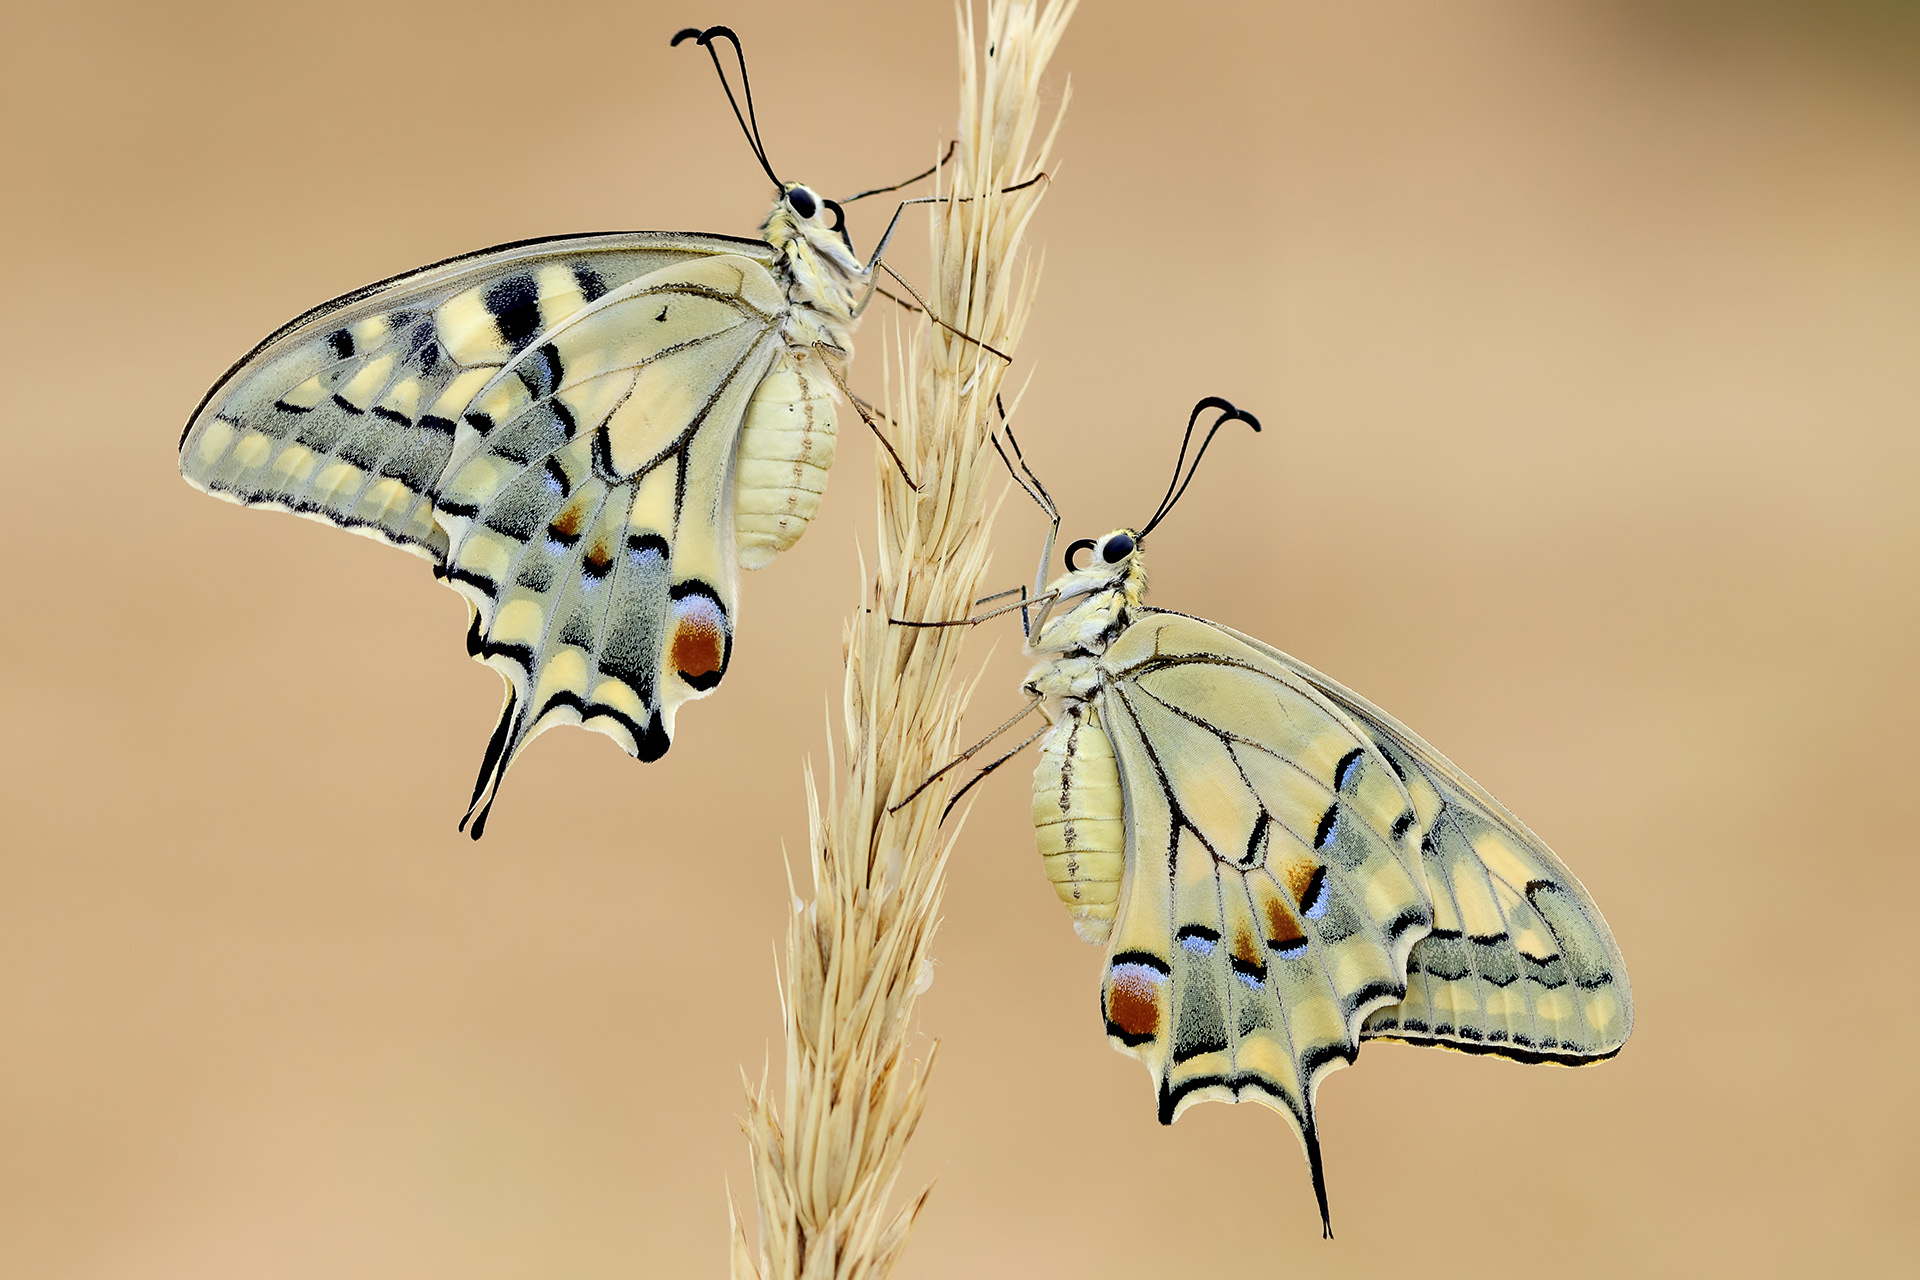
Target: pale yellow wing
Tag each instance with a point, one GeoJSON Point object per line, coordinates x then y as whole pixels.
{"type": "Point", "coordinates": [1520, 962]}
{"type": "Point", "coordinates": [553, 425]}
{"type": "Point", "coordinates": [347, 413]}
{"type": "Point", "coordinates": [1272, 887]}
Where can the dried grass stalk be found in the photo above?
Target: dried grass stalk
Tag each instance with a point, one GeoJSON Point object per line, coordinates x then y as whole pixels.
{"type": "Point", "coordinates": [826, 1158]}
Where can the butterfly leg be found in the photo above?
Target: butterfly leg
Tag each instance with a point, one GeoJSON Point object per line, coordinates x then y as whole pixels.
{"type": "Point", "coordinates": [968, 754]}
{"type": "Point", "coordinates": [991, 765]}
{"type": "Point", "coordinates": [860, 407]}
{"type": "Point", "coordinates": [1029, 482]}
{"type": "Point", "coordinates": [877, 262]}
{"type": "Point", "coordinates": [1025, 602]}
{"type": "Point", "coordinates": [918, 177]}
{"type": "Point", "coordinates": [886, 238]}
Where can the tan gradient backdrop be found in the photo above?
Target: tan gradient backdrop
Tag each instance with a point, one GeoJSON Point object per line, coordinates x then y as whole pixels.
{"type": "Point", "coordinates": [1587, 343]}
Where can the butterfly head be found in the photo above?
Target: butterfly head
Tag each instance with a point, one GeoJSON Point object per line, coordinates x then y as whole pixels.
{"type": "Point", "coordinates": [1113, 565]}
{"type": "Point", "coordinates": [801, 214]}
{"type": "Point", "coordinates": [809, 231]}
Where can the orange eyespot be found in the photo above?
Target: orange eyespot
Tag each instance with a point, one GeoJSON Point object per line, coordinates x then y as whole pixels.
{"type": "Point", "coordinates": [699, 651]}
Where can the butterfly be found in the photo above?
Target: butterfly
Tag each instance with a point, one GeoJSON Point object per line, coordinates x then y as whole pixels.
{"type": "Point", "coordinates": [584, 435]}
{"type": "Point", "coordinates": [1277, 868]}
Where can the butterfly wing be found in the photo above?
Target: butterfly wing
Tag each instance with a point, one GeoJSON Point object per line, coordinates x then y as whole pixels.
{"type": "Point", "coordinates": [1520, 961]}
{"type": "Point", "coordinates": [1273, 886]}
{"type": "Point", "coordinates": [347, 413]}
{"type": "Point", "coordinates": [552, 425]}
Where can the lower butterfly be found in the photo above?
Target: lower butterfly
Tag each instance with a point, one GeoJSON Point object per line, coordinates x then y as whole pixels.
{"type": "Point", "coordinates": [1277, 868]}
{"type": "Point", "coordinates": [584, 435]}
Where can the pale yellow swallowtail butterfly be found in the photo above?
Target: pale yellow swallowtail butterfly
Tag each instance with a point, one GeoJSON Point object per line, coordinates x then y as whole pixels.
{"type": "Point", "coordinates": [1279, 869]}
{"type": "Point", "coordinates": [585, 435]}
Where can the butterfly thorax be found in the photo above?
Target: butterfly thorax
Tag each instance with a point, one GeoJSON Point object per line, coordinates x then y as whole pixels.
{"type": "Point", "coordinates": [1099, 602]}
{"type": "Point", "coordinates": [823, 280]}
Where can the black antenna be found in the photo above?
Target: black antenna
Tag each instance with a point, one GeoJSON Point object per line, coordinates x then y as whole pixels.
{"type": "Point", "coordinates": [1177, 486]}
{"type": "Point", "coordinates": [880, 191]}
{"type": "Point", "coordinates": [749, 123]}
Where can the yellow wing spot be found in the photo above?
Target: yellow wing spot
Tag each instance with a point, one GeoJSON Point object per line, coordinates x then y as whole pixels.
{"type": "Point", "coordinates": [1388, 889]}
{"type": "Point", "coordinates": [369, 332]}
{"type": "Point", "coordinates": [476, 482]}
{"type": "Point", "coordinates": [566, 671]}
{"type": "Point", "coordinates": [1426, 801]}
{"type": "Point", "coordinates": [306, 395]}
{"type": "Point", "coordinates": [1501, 859]}
{"type": "Point", "coordinates": [653, 502]}
{"type": "Point", "coordinates": [559, 293]}
{"type": "Point", "coordinates": [335, 477]}
{"type": "Point", "coordinates": [502, 400]}
{"type": "Point", "coordinates": [1535, 945]}
{"type": "Point", "coordinates": [1451, 999]}
{"type": "Point", "coordinates": [518, 622]}
{"type": "Point", "coordinates": [459, 393]}
{"type": "Point", "coordinates": [466, 329]}
{"type": "Point", "coordinates": [385, 498]}
{"type": "Point", "coordinates": [487, 553]}
{"type": "Point", "coordinates": [1602, 1010]}
{"type": "Point", "coordinates": [294, 465]}
{"type": "Point", "coordinates": [1478, 914]}
{"type": "Point", "coordinates": [1554, 1006]}
{"type": "Point", "coordinates": [403, 397]}
{"type": "Point", "coordinates": [252, 450]}
{"type": "Point", "coordinates": [369, 382]}
{"type": "Point", "coordinates": [1316, 1020]}
{"type": "Point", "coordinates": [214, 439]}
{"type": "Point", "coordinates": [616, 694]}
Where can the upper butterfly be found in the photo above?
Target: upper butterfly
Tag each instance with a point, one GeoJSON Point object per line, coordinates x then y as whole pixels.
{"type": "Point", "coordinates": [1278, 868]}
{"type": "Point", "coordinates": [585, 435]}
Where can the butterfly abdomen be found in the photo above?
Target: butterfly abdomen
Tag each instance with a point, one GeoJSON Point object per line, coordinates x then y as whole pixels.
{"type": "Point", "coordinates": [1077, 820]}
{"type": "Point", "coordinates": [786, 449]}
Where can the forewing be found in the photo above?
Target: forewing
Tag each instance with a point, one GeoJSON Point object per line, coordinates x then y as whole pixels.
{"type": "Point", "coordinates": [1520, 961]}
{"type": "Point", "coordinates": [1273, 886]}
{"type": "Point", "coordinates": [348, 413]}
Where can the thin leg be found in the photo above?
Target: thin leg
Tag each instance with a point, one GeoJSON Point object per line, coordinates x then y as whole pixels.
{"type": "Point", "coordinates": [860, 408]}
{"type": "Point", "coordinates": [989, 769]}
{"type": "Point", "coordinates": [1021, 603]}
{"type": "Point", "coordinates": [886, 238]}
{"type": "Point", "coordinates": [899, 301]}
{"type": "Point", "coordinates": [918, 177]}
{"type": "Point", "coordinates": [966, 755]}
{"type": "Point", "coordinates": [1044, 500]}
{"type": "Point", "coordinates": [959, 333]}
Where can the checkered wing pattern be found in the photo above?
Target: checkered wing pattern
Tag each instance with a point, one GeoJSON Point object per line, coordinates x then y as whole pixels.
{"type": "Point", "coordinates": [1520, 962]}
{"type": "Point", "coordinates": [552, 425]}
{"type": "Point", "coordinates": [1273, 886]}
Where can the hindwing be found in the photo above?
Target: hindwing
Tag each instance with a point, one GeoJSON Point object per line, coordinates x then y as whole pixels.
{"type": "Point", "coordinates": [1273, 885]}
{"type": "Point", "coordinates": [552, 424]}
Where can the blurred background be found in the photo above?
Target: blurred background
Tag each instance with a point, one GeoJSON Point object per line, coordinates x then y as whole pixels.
{"type": "Point", "coordinates": [1587, 337]}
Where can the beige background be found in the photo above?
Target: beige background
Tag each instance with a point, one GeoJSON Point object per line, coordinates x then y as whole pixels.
{"type": "Point", "coordinates": [1588, 341]}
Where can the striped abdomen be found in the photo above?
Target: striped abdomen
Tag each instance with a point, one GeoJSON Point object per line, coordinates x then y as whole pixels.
{"type": "Point", "coordinates": [786, 447]}
{"type": "Point", "coordinates": [1077, 820]}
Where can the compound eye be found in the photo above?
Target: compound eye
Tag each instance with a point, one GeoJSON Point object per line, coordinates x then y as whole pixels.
{"type": "Point", "coordinates": [1116, 548]}
{"type": "Point", "coordinates": [803, 202]}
